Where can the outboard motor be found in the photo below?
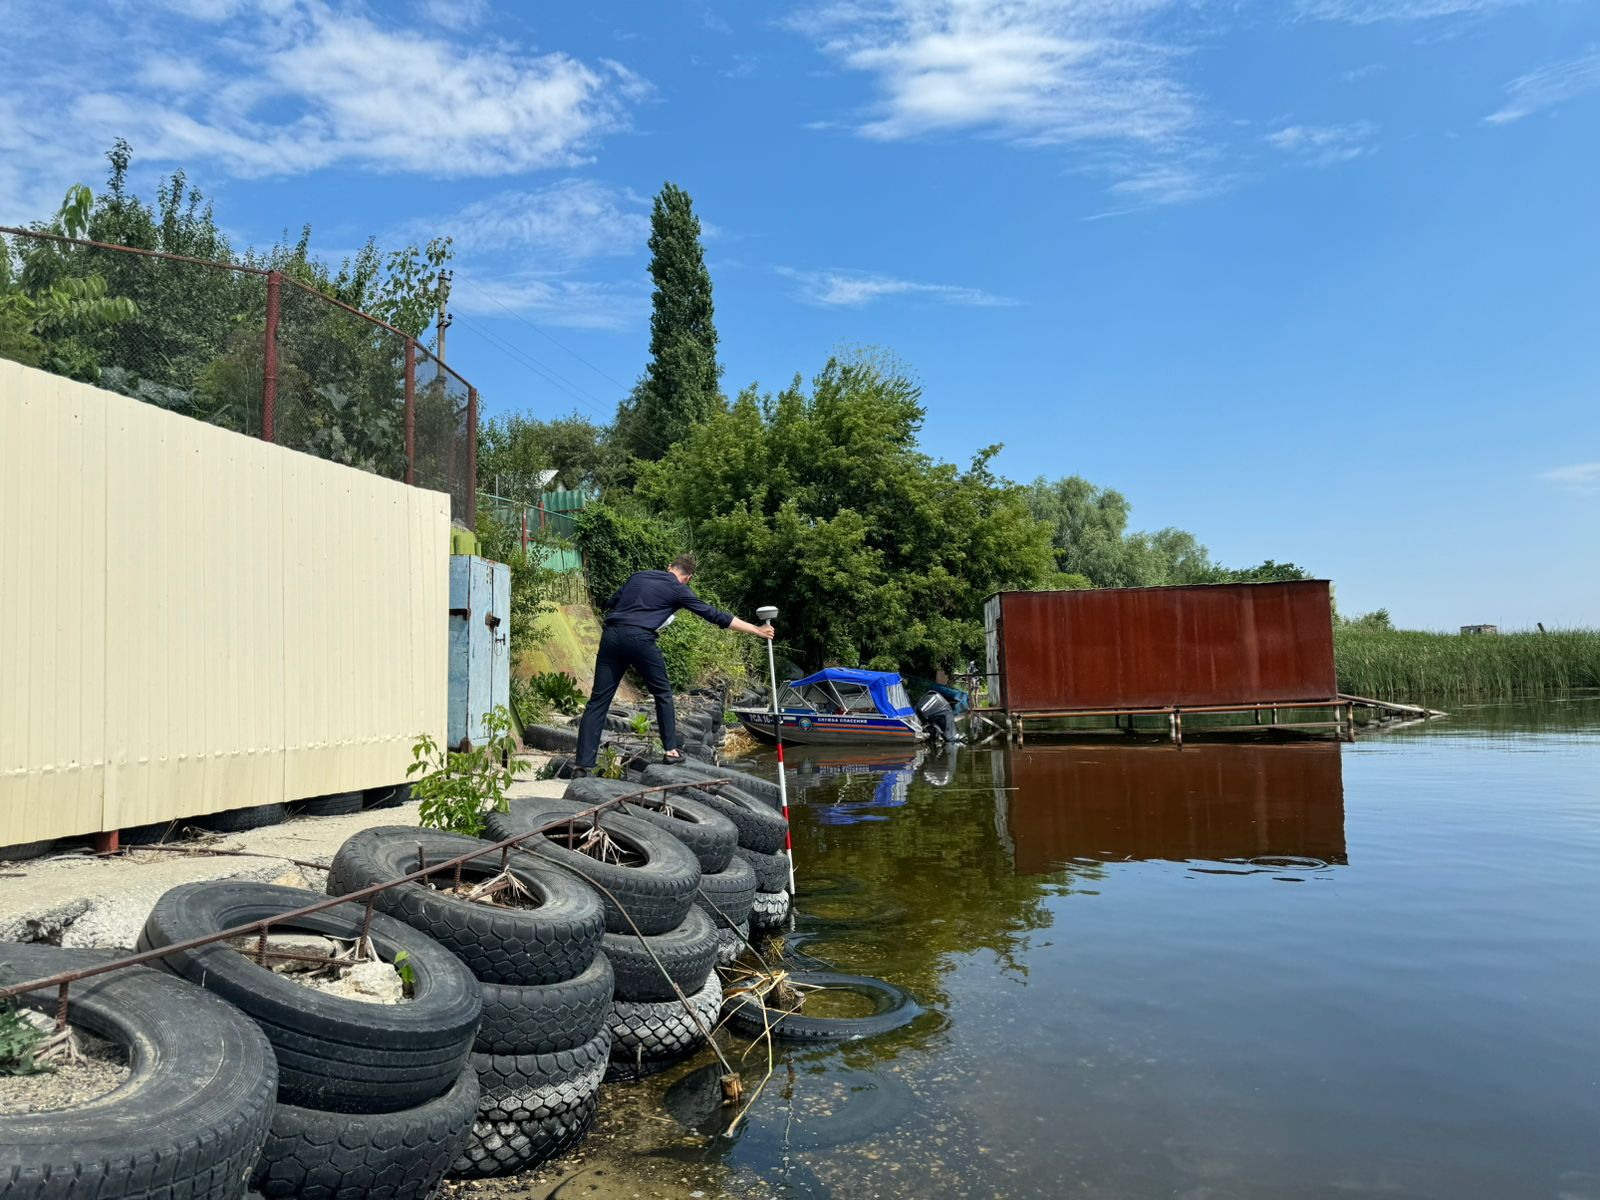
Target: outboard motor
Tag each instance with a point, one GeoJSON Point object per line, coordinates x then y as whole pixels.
{"type": "Point", "coordinates": [938, 716]}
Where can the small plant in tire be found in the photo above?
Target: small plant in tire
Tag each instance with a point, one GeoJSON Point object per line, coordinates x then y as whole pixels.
{"type": "Point", "coordinates": [458, 788]}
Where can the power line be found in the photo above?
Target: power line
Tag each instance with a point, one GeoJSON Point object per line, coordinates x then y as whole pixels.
{"type": "Point", "coordinates": [548, 337]}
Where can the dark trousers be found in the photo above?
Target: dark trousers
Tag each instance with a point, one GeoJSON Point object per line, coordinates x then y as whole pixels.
{"type": "Point", "coordinates": [621, 647]}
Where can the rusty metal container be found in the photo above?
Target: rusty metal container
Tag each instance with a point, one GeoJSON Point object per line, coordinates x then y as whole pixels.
{"type": "Point", "coordinates": [1112, 650]}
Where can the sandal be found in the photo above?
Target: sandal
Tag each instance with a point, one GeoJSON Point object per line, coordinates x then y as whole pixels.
{"type": "Point", "coordinates": [673, 758]}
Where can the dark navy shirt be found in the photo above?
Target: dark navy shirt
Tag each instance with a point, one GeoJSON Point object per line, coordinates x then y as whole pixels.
{"type": "Point", "coordinates": [651, 599]}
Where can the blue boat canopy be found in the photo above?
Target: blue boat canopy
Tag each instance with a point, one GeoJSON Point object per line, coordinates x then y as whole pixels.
{"type": "Point", "coordinates": [888, 692]}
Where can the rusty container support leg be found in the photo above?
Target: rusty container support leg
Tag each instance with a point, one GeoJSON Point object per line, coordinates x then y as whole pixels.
{"type": "Point", "coordinates": [269, 360]}
{"type": "Point", "coordinates": [411, 411]}
{"type": "Point", "coordinates": [472, 458]}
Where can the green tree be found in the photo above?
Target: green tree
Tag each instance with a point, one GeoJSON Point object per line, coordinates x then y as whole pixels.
{"type": "Point", "coordinates": [516, 450]}
{"type": "Point", "coordinates": [823, 503]}
{"type": "Point", "coordinates": [679, 389]}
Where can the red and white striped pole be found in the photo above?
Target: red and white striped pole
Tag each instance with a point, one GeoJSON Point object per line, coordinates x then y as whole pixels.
{"type": "Point", "coordinates": [767, 615]}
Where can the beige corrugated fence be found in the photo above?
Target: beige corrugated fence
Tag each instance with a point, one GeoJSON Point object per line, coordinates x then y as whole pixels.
{"type": "Point", "coordinates": [192, 620]}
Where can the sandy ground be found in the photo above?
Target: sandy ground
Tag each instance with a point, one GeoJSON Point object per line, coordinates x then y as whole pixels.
{"type": "Point", "coordinates": [79, 899]}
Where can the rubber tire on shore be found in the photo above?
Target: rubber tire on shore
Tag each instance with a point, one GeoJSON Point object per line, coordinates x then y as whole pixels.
{"type": "Point", "coordinates": [760, 827]}
{"type": "Point", "coordinates": [242, 820]}
{"type": "Point", "coordinates": [190, 1119]}
{"type": "Point", "coordinates": [547, 1017]}
{"type": "Point", "coordinates": [339, 804]}
{"type": "Point", "coordinates": [660, 1031]}
{"type": "Point", "coordinates": [334, 1054]}
{"type": "Point", "coordinates": [385, 797]}
{"type": "Point", "coordinates": [561, 739]}
{"type": "Point", "coordinates": [315, 1155]}
{"type": "Point", "coordinates": [533, 1107]}
{"type": "Point", "coordinates": [758, 788]}
{"type": "Point", "coordinates": [711, 836]}
{"type": "Point", "coordinates": [657, 894]}
{"type": "Point", "coordinates": [731, 943]}
{"type": "Point", "coordinates": [771, 911]}
{"type": "Point", "coordinates": [896, 1008]}
{"type": "Point", "coordinates": [547, 944]}
{"type": "Point", "coordinates": [687, 955]}
{"type": "Point", "coordinates": [23, 851]}
{"type": "Point", "coordinates": [772, 870]}
{"type": "Point", "coordinates": [728, 896]}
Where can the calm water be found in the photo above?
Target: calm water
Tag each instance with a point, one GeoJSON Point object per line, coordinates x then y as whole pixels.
{"type": "Point", "coordinates": [1225, 971]}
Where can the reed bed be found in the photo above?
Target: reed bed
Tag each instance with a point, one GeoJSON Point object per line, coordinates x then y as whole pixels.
{"type": "Point", "coordinates": [1407, 665]}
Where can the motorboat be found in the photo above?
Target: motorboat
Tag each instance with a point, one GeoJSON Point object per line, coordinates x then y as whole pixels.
{"type": "Point", "coordinates": [838, 706]}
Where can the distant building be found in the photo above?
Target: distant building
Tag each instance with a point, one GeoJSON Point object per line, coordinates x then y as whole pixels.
{"type": "Point", "coordinates": [1480, 629]}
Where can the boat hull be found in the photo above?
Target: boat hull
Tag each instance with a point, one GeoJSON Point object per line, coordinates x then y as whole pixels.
{"type": "Point", "coordinates": [821, 729]}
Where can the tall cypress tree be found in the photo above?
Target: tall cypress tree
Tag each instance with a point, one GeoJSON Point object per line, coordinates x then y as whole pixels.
{"type": "Point", "coordinates": [679, 388]}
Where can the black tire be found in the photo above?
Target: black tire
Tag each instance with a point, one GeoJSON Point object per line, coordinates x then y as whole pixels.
{"type": "Point", "coordinates": [533, 1107]}
{"type": "Point", "coordinates": [190, 1119]}
{"type": "Point", "coordinates": [657, 894]}
{"type": "Point", "coordinates": [155, 834]}
{"type": "Point", "coordinates": [760, 827]}
{"type": "Point", "coordinates": [547, 1017]}
{"type": "Point", "coordinates": [731, 943]}
{"type": "Point", "coordinates": [772, 870]}
{"type": "Point", "coordinates": [386, 797]}
{"type": "Point", "coordinates": [660, 1031]}
{"type": "Point", "coordinates": [23, 851]}
{"type": "Point", "coordinates": [687, 955]}
{"type": "Point", "coordinates": [241, 820]}
{"type": "Point", "coordinates": [895, 1009]}
{"type": "Point", "coordinates": [755, 786]}
{"type": "Point", "coordinates": [770, 911]}
{"type": "Point", "coordinates": [617, 723]}
{"type": "Point", "coordinates": [314, 1155]}
{"type": "Point", "coordinates": [547, 944]}
{"type": "Point", "coordinates": [728, 896]}
{"type": "Point", "coordinates": [708, 834]}
{"type": "Point", "coordinates": [334, 1054]}
{"type": "Point", "coordinates": [508, 1147]}
{"type": "Point", "coordinates": [340, 804]}
{"type": "Point", "coordinates": [559, 738]}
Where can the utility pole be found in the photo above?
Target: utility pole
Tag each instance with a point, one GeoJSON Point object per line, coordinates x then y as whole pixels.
{"type": "Point", "coordinates": [444, 308]}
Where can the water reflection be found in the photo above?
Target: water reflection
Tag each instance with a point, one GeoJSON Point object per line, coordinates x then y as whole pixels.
{"type": "Point", "coordinates": [861, 782]}
{"type": "Point", "coordinates": [1268, 806]}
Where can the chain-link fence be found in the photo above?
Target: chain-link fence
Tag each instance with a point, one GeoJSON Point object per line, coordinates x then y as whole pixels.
{"type": "Point", "coordinates": [242, 347]}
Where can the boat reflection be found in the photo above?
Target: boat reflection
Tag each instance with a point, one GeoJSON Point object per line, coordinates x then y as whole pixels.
{"type": "Point", "coordinates": [869, 780]}
{"type": "Point", "coordinates": [1271, 806]}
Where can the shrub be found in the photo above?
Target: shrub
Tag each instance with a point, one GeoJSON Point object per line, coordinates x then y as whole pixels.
{"type": "Point", "coordinates": [559, 690]}
{"type": "Point", "coordinates": [458, 787]}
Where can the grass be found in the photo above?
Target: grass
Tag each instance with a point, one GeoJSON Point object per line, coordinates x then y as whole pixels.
{"type": "Point", "coordinates": [1407, 665]}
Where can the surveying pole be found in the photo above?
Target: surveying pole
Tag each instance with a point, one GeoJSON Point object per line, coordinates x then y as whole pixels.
{"type": "Point", "coordinates": [766, 615]}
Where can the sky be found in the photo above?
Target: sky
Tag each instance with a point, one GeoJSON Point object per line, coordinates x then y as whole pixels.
{"type": "Point", "coordinates": [1318, 280]}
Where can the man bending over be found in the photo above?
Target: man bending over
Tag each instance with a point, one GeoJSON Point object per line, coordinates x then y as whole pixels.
{"type": "Point", "coordinates": [641, 609]}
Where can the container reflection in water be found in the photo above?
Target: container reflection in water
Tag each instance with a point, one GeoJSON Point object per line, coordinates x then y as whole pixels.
{"type": "Point", "coordinates": [1276, 806]}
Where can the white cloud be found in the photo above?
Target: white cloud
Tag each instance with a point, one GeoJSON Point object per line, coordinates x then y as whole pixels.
{"type": "Point", "coordinates": [1547, 87]}
{"type": "Point", "coordinates": [573, 303]}
{"type": "Point", "coordinates": [304, 86]}
{"type": "Point", "coordinates": [856, 289]}
{"type": "Point", "coordinates": [1031, 71]}
{"type": "Point", "coordinates": [1583, 478]}
{"type": "Point", "coordinates": [1369, 12]}
{"type": "Point", "coordinates": [567, 222]}
{"type": "Point", "coordinates": [1325, 145]}
{"type": "Point", "coordinates": [454, 14]}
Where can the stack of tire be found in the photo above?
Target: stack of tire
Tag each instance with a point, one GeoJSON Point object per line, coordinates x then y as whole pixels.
{"type": "Point", "coordinates": [374, 1100]}
{"type": "Point", "coordinates": [762, 831]}
{"type": "Point", "coordinates": [728, 884]}
{"type": "Point", "coordinates": [542, 1046]}
{"type": "Point", "coordinates": [190, 1119]}
{"type": "Point", "coordinates": [650, 917]}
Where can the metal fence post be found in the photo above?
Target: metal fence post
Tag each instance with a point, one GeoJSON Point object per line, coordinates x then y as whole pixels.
{"type": "Point", "coordinates": [411, 410]}
{"type": "Point", "coordinates": [269, 361]}
{"type": "Point", "coordinates": [472, 457]}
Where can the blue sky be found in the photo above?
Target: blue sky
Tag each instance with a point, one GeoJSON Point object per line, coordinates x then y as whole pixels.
{"type": "Point", "coordinates": [1316, 279]}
